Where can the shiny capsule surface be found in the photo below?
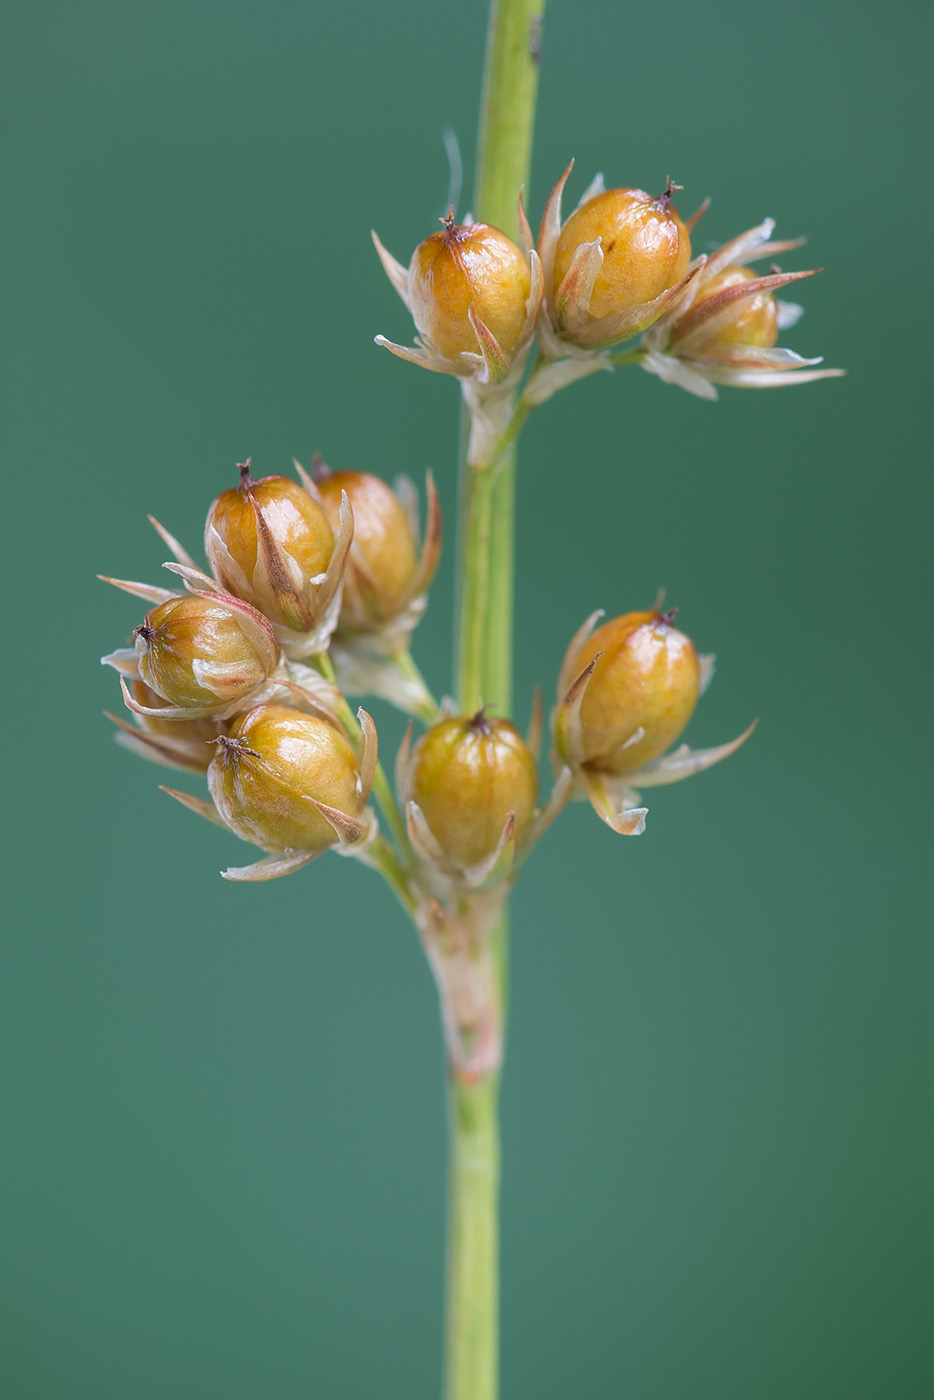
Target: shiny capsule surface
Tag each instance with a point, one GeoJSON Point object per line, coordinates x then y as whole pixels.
{"type": "Point", "coordinates": [276, 763]}
{"type": "Point", "coordinates": [468, 265]}
{"type": "Point", "coordinates": [205, 650]}
{"type": "Point", "coordinates": [383, 555]}
{"type": "Point", "coordinates": [467, 775]}
{"type": "Point", "coordinates": [646, 248]}
{"type": "Point", "coordinates": [646, 678]}
{"type": "Point", "coordinates": [265, 539]}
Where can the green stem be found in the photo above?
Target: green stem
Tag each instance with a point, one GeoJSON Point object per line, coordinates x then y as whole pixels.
{"type": "Point", "coordinates": [382, 857]}
{"type": "Point", "coordinates": [484, 673]}
{"type": "Point", "coordinates": [472, 1335]}
{"type": "Point", "coordinates": [485, 613]}
{"type": "Point", "coordinates": [427, 708]}
{"type": "Point", "coordinates": [628, 357]}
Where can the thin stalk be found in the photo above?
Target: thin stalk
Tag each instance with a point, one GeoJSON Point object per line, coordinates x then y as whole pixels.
{"type": "Point", "coordinates": [484, 672]}
{"type": "Point", "coordinates": [428, 708]}
{"type": "Point", "coordinates": [382, 857]}
{"type": "Point", "coordinates": [485, 613]}
{"type": "Point", "coordinates": [473, 1244]}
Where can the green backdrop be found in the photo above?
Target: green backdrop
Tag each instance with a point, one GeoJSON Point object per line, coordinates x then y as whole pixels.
{"type": "Point", "coordinates": [223, 1110]}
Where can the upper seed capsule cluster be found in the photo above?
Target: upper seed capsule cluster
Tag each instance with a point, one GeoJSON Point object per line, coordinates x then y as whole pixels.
{"type": "Point", "coordinates": [333, 570]}
{"type": "Point", "coordinates": [619, 266]}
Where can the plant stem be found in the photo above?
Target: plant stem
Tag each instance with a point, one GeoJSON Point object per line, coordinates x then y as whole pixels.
{"type": "Point", "coordinates": [427, 708]}
{"type": "Point", "coordinates": [484, 673]}
{"type": "Point", "coordinates": [472, 1335]}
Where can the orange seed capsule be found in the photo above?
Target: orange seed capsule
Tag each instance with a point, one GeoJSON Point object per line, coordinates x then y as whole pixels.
{"type": "Point", "coordinates": [467, 775]}
{"type": "Point", "coordinates": [646, 678]}
{"type": "Point", "coordinates": [383, 556]}
{"type": "Point", "coordinates": [265, 539]}
{"type": "Point", "coordinates": [266, 777]}
{"type": "Point", "coordinates": [462, 266]}
{"type": "Point", "coordinates": [753, 322]}
{"type": "Point", "coordinates": [204, 651]}
{"type": "Point", "coordinates": [646, 248]}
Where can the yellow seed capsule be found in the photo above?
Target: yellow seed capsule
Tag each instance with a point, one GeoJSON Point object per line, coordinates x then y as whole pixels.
{"type": "Point", "coordinates": [646, 248]}
{"type": "Point", "coordinates": [751, 322]}
{"type": "Point", "coordinates": [383, 557]}
{"type": "Point", "coordinates": [265, 540]}
{"type": "Point", "coordinates": [647, 679]}
{"type": "Point", "coordinates": [205, 651]}
{"type": "Point", "coordinates": [467, 775]}
{"type": "Point", "coordinates": [268, 775]}
{"type": "Point", "coordinates": [464, 266]}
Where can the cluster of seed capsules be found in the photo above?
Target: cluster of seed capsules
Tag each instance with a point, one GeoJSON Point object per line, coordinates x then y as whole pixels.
{"type": "Point", "coordinates": [315, 585]}
{"type": "Point", "coordinates": [231, 676]}
{"type": "Point", "coordinates": [620, 266]}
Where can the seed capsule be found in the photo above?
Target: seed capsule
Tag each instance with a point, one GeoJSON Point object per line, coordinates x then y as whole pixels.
{"type": "Point", "coordinates": [752, 321]}
{"type": "Point", "coordinates": [646, 678]}
{"type": "Point", "coordinates": [383, 558]}
{"type": "Point", "coordinates": [467, 775]}
{"type": "Point", "coordinates": [462, 268]}
{"type": "Point", "coordinates": [205, 651]}
{"type": "Point", "coordinates": [266, 540]}
{"type": "Point", "coordinates": [278, 768]}
{"type": "Point", "coordinates": [646, 248]}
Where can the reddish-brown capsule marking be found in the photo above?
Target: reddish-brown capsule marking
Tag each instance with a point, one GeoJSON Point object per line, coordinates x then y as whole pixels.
{"type": "Point", "coordinates": [383, 556]}
{"type": "Point", "coordinates": [467, 775]}
{"type": "Point", "coordinates": [646, 247]}
{"type": "Point", "coordinates": [464, 266]}
{"type": "Point", "coordinates": [265, 539]}
{"type": "Point", "coordinates": [205, 651]}
{"type": "Point", "coordinates": [646, 678]}
{"type": "Point", "coordinates": [266, 777]}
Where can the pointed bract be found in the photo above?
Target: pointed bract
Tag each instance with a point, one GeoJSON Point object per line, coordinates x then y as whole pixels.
{"type": "Point", "coordinates": [722, 327]}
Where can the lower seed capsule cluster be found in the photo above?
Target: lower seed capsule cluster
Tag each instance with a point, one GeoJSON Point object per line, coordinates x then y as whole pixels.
{"type": "Point", "coordinates": [214, 687]}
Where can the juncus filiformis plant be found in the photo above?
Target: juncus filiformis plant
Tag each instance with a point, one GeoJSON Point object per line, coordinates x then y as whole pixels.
{"type": "Point", "coordinates": [314, 587]}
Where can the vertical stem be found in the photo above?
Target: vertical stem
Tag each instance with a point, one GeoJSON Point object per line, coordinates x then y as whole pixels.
{"type": "Point", "coordinates": [473, 1243]}
{"type": "Point", "coordinates": [484, 673]}
{"type": "Point", "coordinates": [504, 158]}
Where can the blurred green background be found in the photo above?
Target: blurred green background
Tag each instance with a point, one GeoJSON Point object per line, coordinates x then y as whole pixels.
{"type": "Point", "coordinates": [223, 1107]}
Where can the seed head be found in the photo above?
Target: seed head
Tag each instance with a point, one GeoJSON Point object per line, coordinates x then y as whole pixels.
{"type": "Point", "coordinates": [750, 321]}
{"type": "Point", "coordinates": [467, 775]}
{"type": "Point", "coordinates": [205, 651]}
{"type": "Point", "coordinates": [383, 557]}
{"type": "Point", "coordinates": [265, 541]}
{"type": "Point", "coordinates": [645, 677]}
{"type": "Point", "coordinates": [468, 266]}
{"type": "Point", "coordinates": [285, 780]}
{"type": "Point", "coordinates": [646, 248]}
